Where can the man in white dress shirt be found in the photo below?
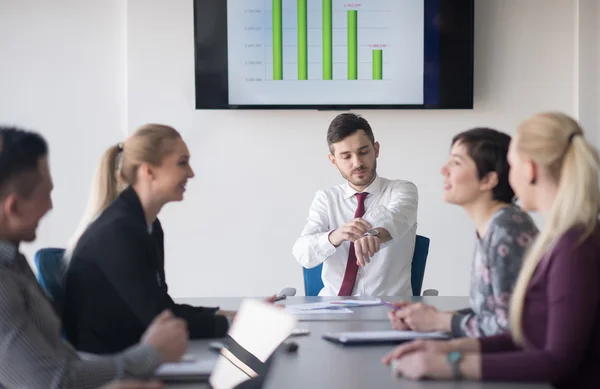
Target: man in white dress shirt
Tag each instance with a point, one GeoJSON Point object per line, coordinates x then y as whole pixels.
{"type": "Point", "coordinates": [362, 231]}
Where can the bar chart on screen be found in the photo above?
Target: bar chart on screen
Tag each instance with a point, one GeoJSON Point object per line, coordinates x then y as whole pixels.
{"type": "Point", "coordinates": [326, 50]}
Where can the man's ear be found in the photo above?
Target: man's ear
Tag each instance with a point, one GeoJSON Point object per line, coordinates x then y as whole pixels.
{"type": "Point", "coordinates": [489, 181]}
{"type": "Point", "coordinates": [376, 146]}
{"type": "Point", "coordinates": [331, 158]}
{"type": "Point", "coordinates": [10, 205]}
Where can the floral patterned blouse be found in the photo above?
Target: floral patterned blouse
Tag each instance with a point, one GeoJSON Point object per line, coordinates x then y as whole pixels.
{"type": "Point", "coordinates": [496, 265]}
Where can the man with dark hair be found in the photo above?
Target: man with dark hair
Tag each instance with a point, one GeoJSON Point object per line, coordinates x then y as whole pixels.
{"type": "Point", "coordinates": [362, 231]}
{"type": "Point", "coordinates": [32, 353]}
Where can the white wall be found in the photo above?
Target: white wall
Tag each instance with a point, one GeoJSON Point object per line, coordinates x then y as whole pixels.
{"type": "Point", "coordinates": [62, 73]}
{"type": "Point", "coordinates": [106, 68]}
{"type": "Point", "coordinates": [588, 67]}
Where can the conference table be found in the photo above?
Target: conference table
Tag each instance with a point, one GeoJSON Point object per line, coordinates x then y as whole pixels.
{"type": "Point", "coordinates": [321, 364]}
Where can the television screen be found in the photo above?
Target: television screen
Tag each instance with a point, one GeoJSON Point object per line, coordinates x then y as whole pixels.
{"type": "Point", "coordinates": [333, 54]}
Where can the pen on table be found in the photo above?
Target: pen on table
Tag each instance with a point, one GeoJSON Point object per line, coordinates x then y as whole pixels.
{"type": "Point", "coordinates": [280, 297]}
{"type": "Point", "coordinates": [391, 305]}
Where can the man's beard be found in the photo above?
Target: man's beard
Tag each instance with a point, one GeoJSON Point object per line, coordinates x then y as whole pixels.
{"type": "Point", "coordinates": [369, 177]}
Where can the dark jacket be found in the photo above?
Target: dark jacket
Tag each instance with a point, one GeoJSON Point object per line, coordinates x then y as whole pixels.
{"type": "Point", "coordinates": [115, 284]}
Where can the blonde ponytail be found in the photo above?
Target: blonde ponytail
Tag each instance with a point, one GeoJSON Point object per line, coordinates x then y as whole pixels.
{"type": "Point", "coordinates": [555, 142]}
{"type": "Point", "coordinates": [106, 186]}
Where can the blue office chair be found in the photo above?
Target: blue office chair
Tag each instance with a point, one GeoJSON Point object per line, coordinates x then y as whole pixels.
{"type": "Point", "coordinates": [50, 268]}
{"type": "Point", "coordinates": [313, 282]}
{"type": "Point", "coordinates": [419, 260]}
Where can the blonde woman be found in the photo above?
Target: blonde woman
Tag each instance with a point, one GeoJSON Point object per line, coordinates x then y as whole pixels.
{"type": "Point", "coordinates": [115, 282]}
{"type": "Point", "coordinates": [555, 308]}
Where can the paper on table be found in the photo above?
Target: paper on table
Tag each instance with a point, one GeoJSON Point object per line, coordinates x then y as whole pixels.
{"type": "Point", "coordinates": [356, 303]}
{"type": "Point", "coordinates": [334, 304]}
{"type": "Point", "coordinates": [387, 335]}
{"type": "Point", "coordinates": [185, 368]}
{"type": "Point", "coordinates": [320, 311]}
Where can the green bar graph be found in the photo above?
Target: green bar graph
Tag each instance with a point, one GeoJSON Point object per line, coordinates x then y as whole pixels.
{"type": "Point", "coordinates": [352, 44]}
{"type": "Point", "coordinates": [327, 41]}
{"type": "Point", "coordinates": [277, 41]}
{"type": "Point", "coordinates": [302, 41]}
{"type": "Point", "coordinates": [377, 64]}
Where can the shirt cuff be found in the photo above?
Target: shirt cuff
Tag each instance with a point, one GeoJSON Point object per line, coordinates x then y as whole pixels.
{"type": "Point", "coordinates": [139, 361]}
{"type": "Point", "coordinates": [222, 325]}
{"type": "Point", "coordinates": [456, 325]}
{"type": "Point", "coordinates": [325, 246]}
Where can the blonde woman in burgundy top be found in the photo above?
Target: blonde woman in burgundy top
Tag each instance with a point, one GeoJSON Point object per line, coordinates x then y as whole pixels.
{"type": "Point", "coordinates": [554, 312]}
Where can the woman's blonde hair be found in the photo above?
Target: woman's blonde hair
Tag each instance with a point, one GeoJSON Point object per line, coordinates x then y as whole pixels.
{"type": "Point", "coordinates": [118, 168]}
{"type": "Point", "coordinates": [555, 142]}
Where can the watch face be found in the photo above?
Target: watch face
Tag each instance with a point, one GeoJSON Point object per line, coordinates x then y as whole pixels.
{"type": "Point", "coordinates": [372, 232]}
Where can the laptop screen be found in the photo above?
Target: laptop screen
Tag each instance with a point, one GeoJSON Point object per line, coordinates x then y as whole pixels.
{"type": "Point", "coordinates": [257, 331]}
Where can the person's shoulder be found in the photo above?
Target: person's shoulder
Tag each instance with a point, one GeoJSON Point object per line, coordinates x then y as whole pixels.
{"type": "Point", "coordinates": [110, 220]}
{"type": "Point", "coordinates": [513, 218]}
{"type": "Point", "coordinates": [335, 190]}
{"type": "Point", "coordinates": [110, 226]}
{"type": "Point", "coordinates": [329, 195]}
{"type": "Point", "coordinates": [12, 287]}
{"type": "Point", "coordinates": [398, 184]}
{"type": "Point", "coordinates": [572, 241]}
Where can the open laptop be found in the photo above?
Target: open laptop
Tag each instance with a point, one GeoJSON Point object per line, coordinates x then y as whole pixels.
{"type": "Point", "coordinates": [256, 333]}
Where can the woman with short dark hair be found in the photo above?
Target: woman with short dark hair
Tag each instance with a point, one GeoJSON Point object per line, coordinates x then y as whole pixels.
{"type": "Point", "coordinates": [476, 178]}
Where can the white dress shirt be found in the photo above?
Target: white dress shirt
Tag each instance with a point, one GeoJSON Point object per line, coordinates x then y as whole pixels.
{"type": "Point", "coordinates": [391, 204]}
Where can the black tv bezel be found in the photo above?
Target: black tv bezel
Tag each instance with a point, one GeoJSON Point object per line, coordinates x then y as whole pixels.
{"type": "Point", "coordinates": [456, 65]}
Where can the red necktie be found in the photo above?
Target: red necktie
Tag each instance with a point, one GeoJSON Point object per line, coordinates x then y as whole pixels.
{"type": "Point", "coordinates": [352, 266]}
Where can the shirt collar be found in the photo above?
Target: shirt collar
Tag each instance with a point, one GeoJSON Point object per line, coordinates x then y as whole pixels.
{"type": "Point", "coordinates": [374, 188]}
{"type": "Point", "coordinates": [8, 253]}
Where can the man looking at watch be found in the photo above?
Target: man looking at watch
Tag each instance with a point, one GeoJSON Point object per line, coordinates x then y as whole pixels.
{"type": "Point", "coordinates": [362, 231]}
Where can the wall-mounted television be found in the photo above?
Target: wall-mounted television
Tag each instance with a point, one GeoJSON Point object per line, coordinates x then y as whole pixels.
{"type": "Point", "coordinates": [334, 54]}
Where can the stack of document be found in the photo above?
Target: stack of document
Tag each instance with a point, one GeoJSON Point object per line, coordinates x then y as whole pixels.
{"type": "Point", "coordinates": [329, 307]}
{"type": "Point", "coordinates": [362, 337]}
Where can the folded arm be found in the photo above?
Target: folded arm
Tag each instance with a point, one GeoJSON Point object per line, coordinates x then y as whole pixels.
{"type": "Point", "coordinates": [400, 215]}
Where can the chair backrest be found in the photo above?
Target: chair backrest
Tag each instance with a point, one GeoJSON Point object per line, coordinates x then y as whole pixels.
{"type": "Point", "coordinates": [417, 271]}
{"type": "Point", "coordinates": [50, 268]}
{"type": "Point", "coordinates": [313, 283]}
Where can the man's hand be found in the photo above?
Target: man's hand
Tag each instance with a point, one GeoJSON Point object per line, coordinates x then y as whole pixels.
{"type": "Point", "coordinates": [168, 335]}
{"type": "Point", "coordinates": [351, 231]}
{"type": "Point", "coordinates": [365, 248]}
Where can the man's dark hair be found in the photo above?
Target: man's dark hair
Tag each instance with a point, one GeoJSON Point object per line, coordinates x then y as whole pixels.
{"type": "Point", "coordinates": [347, 124]}
{"type": "Point", "coordinates": [489, 149]}
{"type": "Point", "coordinates": [20, 152]}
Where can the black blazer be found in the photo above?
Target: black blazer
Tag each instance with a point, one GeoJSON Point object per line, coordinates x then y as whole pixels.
{"type": "Point", "coordinates": [115, 283]}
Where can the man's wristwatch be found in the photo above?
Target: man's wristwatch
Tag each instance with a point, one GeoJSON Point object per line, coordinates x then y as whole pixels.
{"type": "Point", "coordinates": [372, 232]}
{"type": "Point", "coordinates": [454, 359]}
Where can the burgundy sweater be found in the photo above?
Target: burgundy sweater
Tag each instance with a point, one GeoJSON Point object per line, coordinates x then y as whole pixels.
{"type": "Point", "coordinates": [561, 321]}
